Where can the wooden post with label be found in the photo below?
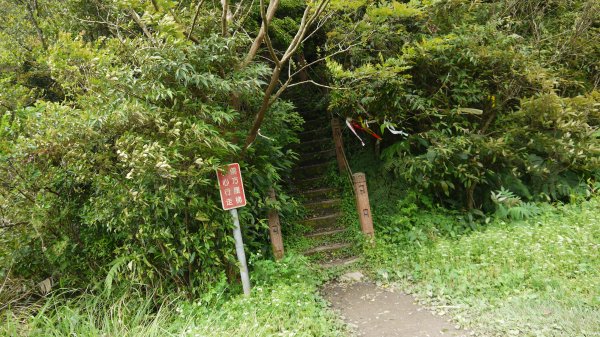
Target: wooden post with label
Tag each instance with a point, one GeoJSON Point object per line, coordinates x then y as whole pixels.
{"type": "Point", "coordinates": [362, 203]}
{"type": "Point", "coordinates": [275, 229]}
{"type": "Point", "coordinates": [339, 145]}
{"type": "Point", "coordinates": [231, 187]}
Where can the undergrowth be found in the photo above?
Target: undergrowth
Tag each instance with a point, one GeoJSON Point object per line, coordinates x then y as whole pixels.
{"type": "Point", "coordinates": [535, 277]}
{"type": "Point", "coordinates": [284, 302]}
{"type": "Point", "coordinates": [528, 269]}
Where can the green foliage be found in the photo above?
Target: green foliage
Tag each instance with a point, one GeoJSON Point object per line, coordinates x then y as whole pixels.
{"type": "Point", "coordinates": [417, 221]}
{"type": "Point", "coordinates": [291, 269]}
{"type": "Point", "coordinates": [406, 216]}
{"type": "Point", "coordinates": [509, 205]}
{"type": "Point", "coordinates": [486, 95]}
{"type": "Point", "coordinates": [128, 314]}
{"type": "Point", "coordinates": [283, 302]}
{"type": "Point", "coordinates": [115, 181]}
{"type": "Point", "coordinates": [539, 276]}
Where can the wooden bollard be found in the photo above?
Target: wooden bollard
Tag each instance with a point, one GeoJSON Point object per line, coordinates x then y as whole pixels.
{"type": "Point", "coordinates": [362, 203]}
{"type": "Point", "coordinates": [275, 229]}
{"type": "Point", "coordinates": [339, 145]}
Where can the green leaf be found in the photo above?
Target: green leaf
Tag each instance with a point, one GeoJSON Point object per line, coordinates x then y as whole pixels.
{"type": "Point", "coordinates": [470, 111]}
{"type": "Point", "coordinates": [201, 216]}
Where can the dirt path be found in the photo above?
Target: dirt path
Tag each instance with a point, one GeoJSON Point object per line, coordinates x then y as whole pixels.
{"type": "Point", "coordinates": [375, 312]}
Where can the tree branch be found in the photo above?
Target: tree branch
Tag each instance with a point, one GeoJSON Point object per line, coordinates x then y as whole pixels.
{"type": "Point", "coordinates": [142, 25]}
{"type": "Point", "coordinates": [4, 223]}
{"type": "Point", "coordinates": [305, 24]}
{"type": "Point", "coordinates": [308, 65]}
{"type": "Point", "coordinates": [298, 37]}
{"type": "Point", "coordinates": [267, 38]}
{"type": "Point", "coordinates": [240, 17]}
{"type": "Point", "coordinates": [31, 9]}
{"type": "Point", "coordinates": [273, 4]}
{"type": "Point", "coordinates": [181, 26]}
{"type": "Point", "coordinates": [195, 18]}
{"type": "Point", "coordinates": [317, 84]}
{"type": "Point", "coordinates": [269, 98]}
{"type": "Point", "coordinates": [266, 103]}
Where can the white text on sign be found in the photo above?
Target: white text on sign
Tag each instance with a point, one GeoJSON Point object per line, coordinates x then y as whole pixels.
{"type": "Point", "coordinates": [231, 187]}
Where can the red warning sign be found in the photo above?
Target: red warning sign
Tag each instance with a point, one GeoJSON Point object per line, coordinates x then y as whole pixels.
{"type": "Point", "coordinates": [232, 187]}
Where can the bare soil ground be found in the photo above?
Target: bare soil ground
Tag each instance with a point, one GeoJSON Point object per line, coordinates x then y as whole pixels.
{"type": "Point", "coordinates": [374, 312]}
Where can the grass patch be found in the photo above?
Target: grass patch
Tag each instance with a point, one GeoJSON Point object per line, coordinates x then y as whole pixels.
{"type": "Point", "coordinates": [284, 302]}
{"type": "Point", "coordinates": [538, 277]}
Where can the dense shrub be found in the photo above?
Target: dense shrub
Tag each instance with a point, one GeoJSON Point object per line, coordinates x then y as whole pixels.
{"type": "Point", "coordinates": [495, 94]}
{"type": "Point", "coordinates": [119, 177]}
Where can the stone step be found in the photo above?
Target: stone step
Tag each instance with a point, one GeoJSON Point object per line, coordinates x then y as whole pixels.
{"type": "Point", "coordinates": [323, 207]}
{"type": "Point", "coordinates": [325, 232]}
{"type": "Point", "coordinates": [314, 145]}
{"type": "Point", "coordinates": [326, 237]}
{"type": "Point", "coordinates": [321, 222]}
{"type": "Point", "coordinates": [319, 132]}
{"type": "Point", "coordinates": [341, 262]}
{"type": "Point", "coordinates": [316, 123]}
{"type": "Point", "coordinates": [345, 250]}
{"type": "Point", "coordinates": [318, 194]}
{"type": "Point", "coordinates": [303, 184]}
{"type": "Point", "coordinates": [310, 171]}
{"type": "Point", "coordinates": [327, 248]}
{"type": "Point", "coordinates": [317, 156]}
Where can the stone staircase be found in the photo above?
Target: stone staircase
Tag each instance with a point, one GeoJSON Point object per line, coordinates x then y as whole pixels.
{"type": "Point", "coordinates": [330, 244]}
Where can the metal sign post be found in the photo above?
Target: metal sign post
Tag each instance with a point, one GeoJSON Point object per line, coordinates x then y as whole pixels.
{"type": "Point", "coordinates": [239, 249]}
{"type": "Point", "coordinates": [233, 197]}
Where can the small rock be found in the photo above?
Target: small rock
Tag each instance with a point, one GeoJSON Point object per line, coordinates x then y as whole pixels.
{"type": "Point", "coordinates": [46, 285]}
{"type": "Point", "coordinates": [352, 277]}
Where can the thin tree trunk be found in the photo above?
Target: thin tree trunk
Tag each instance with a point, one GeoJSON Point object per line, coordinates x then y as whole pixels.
{"type": "Point", "coordinates": [155, 5]}
{"type": "Point", "coordinates": [195, 18]}
{"type": "Point", "coordinates": [264, 107]}
{"type": "Point", "coordinates": [261, 33]}
{"type": "Point", "coordinates": [224, 15]}
{"type": "Point", "coordinates": [470, 197]}
{"type": "Point", "coordinates": [31, 9]}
